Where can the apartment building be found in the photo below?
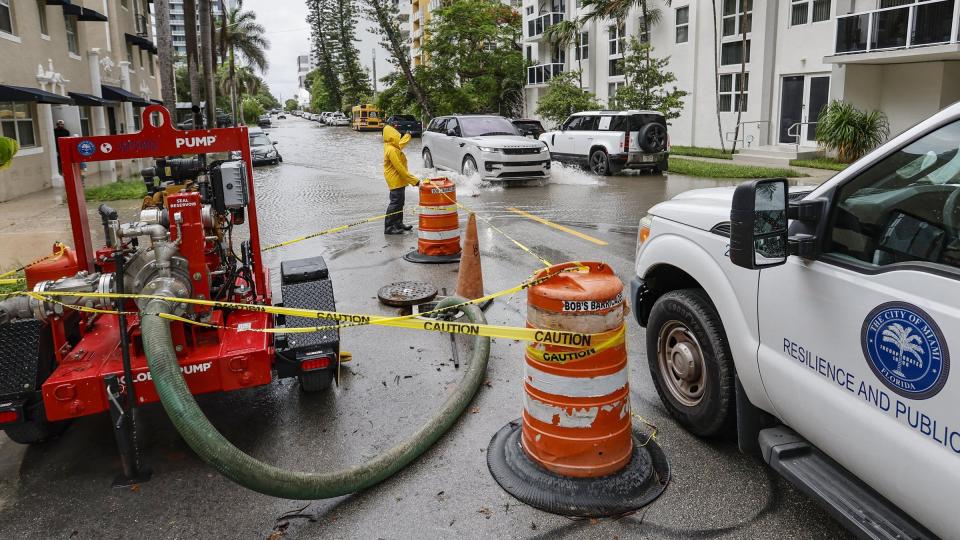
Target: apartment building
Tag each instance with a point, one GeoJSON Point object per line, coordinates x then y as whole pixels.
{"type": "Point", "coordinates": [178, 27]}
{"type": "Point", "coordinates": [419, 20]}
{"type": "Point", "coordinates": [899, 56]}
{"type": "Point", "coordinates": [305, 64]}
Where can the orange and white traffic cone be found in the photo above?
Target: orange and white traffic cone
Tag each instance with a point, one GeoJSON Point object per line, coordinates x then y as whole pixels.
{"type": "Point", "coordinates": [470, 276]}
{"type": "Point", "coordinates": [574, 451]}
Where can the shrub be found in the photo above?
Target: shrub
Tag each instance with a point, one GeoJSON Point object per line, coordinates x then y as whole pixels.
{"type": "Point", "coordinates": [849, 131]}
{"type": "Point", "coordinates": [8, 148]}
{"type": "Point", "coordinates": [564, 97]}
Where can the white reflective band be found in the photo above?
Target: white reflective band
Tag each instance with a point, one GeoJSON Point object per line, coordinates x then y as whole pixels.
{"type": "Point", "coordinates": [437, 210]}
{"type": "Point", "coordinates": [579, 387]}
{"type": "Point", "coordinates": [439, 235]}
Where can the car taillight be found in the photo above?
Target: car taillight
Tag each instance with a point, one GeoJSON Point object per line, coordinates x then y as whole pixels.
{"type": "Point", "coordinates": [626, 141]}
{"type": "Point", "coordinates": [8, 417]}
{"type": "Point", "coordinates": [315, 364]}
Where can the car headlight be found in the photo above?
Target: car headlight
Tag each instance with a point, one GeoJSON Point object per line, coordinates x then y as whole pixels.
{"type": "Point", "coordinates": [490, 149]}
{"type": "Point", "coordinates": [544, 148]}
{"type": "Point", "coordinates": [271, 153]}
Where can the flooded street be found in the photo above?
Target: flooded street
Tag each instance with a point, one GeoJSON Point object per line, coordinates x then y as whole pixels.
{"type": "Point", "coordinates": [331, 177]}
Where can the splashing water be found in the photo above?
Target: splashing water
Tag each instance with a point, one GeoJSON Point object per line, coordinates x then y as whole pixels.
{"type": "Point", "coordinates": [572, 175]}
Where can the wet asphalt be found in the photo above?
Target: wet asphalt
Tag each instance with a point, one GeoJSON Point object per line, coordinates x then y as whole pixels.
{"type": "Point", "coordinates": [333, 176]}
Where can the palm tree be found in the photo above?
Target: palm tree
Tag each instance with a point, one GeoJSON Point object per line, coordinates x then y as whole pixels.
{"type": "Point", "coordinates": [206, 62]}
{"type": "Point", "coordinates": [564, 34]}
{"type": "Point", "coordinates": [619, 10]}
{"type": "Point", "coordinates": [909, 343]}
{"type": "Point", "coordinates": [165, 53]}
{"type": "Point", "coordinates": [243, 37]}
{"type": "Point", "coordinates": [193, 69]}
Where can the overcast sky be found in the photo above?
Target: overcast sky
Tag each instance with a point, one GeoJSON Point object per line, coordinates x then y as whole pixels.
{"type": "Point", "coordinates": [289, 35]}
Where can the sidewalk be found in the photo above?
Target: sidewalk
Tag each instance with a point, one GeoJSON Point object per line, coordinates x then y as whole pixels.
{"type": "Point", "coordinates": [29, 225]}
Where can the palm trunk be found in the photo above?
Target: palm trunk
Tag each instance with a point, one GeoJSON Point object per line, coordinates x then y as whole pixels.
{"type": "Point", "coordinates": [716, 76]}
{"type": "Point", "coordinates": [206, 47]}
{"type": "Point", "coordinates": [401, 56]}
{"type": "Point", "coordinates": [165, 54]}
{"type": "Point", "coordinates": [193, 69]}
{"type": "Point", "coordinates": [233, 86]}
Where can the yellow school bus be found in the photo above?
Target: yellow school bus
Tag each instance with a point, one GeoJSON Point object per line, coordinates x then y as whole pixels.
{"type": "Point", "coordinates": [367, 118]}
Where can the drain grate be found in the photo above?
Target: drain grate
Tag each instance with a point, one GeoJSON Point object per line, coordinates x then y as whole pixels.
{"type": "Point", "coordinates": [407, 293]}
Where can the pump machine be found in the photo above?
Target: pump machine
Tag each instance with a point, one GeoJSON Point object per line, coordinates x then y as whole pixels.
{"type": "Point", "coordinates": [195, 236]}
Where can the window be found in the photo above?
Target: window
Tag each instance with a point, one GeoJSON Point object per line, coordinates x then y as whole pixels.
{"type": "Point", "coordinates": [42, 10]}
{"type": "Point", "coordinates": [85, 121]}
{"type": "Point", "coordinates": [150, 63]}
{"type": "Point", "coordinates": [529, 10]}
{"type": "Point", "coordinates": [737, 17]}
{"type": "Point", "coordinates": [612, 89]}
{"type": "Point", "coordinates": [902, 209]}
{"type": "Point", "coordinates": [581, 123]}
{"type": "Point", "coordinates": [642, 31]}
{"type": "Point", "coordinates": [125, 3]}
{"type": "Point", "coordinates": [615, 36]}
{"type": "Point", "coordinates": [529, 53]}
{"type": "Point", "coordinates": [800, 11]}
{"type": "Point", "coordinates": [16, 122]}
{"type": "Point", "coordinates": [6, 17]}
{"type": "Point", "coordinates": [142, 65]}
{"type": "Point", "coordinates": [732, 53]}
{"type": "Point", "coordinates": [73, 44]}
{"type": "Point", "coordinates": [137, 118]}
{"type": "Point", "coordinates": [130, 54]}
{"type": "Point", "coordinates": [683, 24]}
{"type": "Point", "coordinates": [582, 51]}
{"type": "Point", "coordinates": [730, 85]}
{"type": "Point", "coordinates": [615, 68]}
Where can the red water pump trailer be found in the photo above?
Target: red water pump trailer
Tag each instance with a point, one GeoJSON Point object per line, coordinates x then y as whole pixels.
{"type": "Point", "coordinates": [58, 362]}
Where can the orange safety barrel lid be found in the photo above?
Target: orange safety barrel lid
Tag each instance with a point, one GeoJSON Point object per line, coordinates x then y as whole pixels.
{"type": "Point", "coordinates": [593, 288]}
{"type": "Point", "coordinates": [437, 192]}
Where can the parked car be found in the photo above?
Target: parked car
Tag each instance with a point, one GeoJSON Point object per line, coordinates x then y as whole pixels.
{"type": "Point", "coordinates": [338, 119]}
{"type": "Point", "coordinates": [528, 127]}
{"type": "Point", "coordinates": [815, 328]}
{"type": "Point", "coordinates": [485, 145]}
{"type": "Point", "coordinates": [406, 123]}
{"type": "Point", "coordinates": [609, 141]}
{"type": "Point", "coordinates": [264, 121]}
{"type": "Point", "coordinates": [187, 124]}
{"type": "Point", "coordinates": [282, 116]}
{"type": "Point", "coordinates": [263, 151]}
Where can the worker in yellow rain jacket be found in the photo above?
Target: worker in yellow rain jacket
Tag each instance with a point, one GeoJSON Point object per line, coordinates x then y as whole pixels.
{"type": "Point", "coordinates": [398, 178]}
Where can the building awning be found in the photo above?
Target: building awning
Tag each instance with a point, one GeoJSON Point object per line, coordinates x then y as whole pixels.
{"type": "Point", "coordinates": [156, 101]}
{"type": "Point", "coordinates": [115, 93]}
{"type": "Point", "coordinates": [141, 42]}
{"type": "Point", "coordinates": [57, 2]}
{"type": "Point", "coordinates": [88, 14]}
{"type": "Point", "coordinates": [22, 93]}
{"type": "Point", "coordinates": [89, 100]}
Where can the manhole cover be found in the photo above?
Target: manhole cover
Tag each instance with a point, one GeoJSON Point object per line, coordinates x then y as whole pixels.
{"type": "Point", "coordinates": [406, 293]}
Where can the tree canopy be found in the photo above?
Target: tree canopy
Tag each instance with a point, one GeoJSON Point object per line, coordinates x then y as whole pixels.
{"type": "Point", "coordinates": [565, 97]}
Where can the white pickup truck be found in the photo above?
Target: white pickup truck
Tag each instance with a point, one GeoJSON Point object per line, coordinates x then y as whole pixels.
{"type": "Point", "coordinates": [817, 326]}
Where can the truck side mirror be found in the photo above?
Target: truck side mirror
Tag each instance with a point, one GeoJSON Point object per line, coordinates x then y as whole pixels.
{"type": "Point", "coordinates": [758, 224]}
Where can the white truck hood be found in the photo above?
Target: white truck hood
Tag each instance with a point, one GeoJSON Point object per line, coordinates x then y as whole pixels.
{"type": "Point", "coordinates": [504, 141]}
{"type": "Point", "coordinates": [700, 208]}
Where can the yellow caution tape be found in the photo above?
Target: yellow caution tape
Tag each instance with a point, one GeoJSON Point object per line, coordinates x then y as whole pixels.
{"type": "Point", "coordinates": [333, 230]}
{"type": "Point", "coordinates": [12, 281]}
{"type": "Point", "coordinates": [617, 338]}
{"type": "Point", "coordinates": [411, 322]}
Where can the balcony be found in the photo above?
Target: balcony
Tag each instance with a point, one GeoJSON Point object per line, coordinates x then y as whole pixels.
{"type": "Point", "coordinates": [542, 73]}
{"type": "Point", "coordinates": [925, 30]}
{"type": "Point", "coordinates": [537, 25]}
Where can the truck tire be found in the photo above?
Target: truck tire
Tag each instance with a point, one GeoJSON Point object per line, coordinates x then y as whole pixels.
{"type": "Point", "coordinates": [316, 381]}
{"type": "Point", "coordinates": [600, 163]}
{"type": "Point", "coordinates": [427, 159]}
{"type": "Point", "coordinates": [690, 362]}
{"type": "Point", "coordinates": [37, 430]}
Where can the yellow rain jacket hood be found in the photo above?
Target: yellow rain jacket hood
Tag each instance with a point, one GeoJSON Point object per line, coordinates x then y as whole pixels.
{"type": "Point", "coordinates": [394, 160]}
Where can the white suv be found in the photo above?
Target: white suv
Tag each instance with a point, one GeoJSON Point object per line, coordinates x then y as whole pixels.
{"type": "Point", "coordinates": [489, 146]}
{"type": "Point", "coordinates": [610, 141]}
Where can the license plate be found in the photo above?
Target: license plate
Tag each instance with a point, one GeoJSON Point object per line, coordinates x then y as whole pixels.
{"type": "Point", "coordinates": [648, 158]}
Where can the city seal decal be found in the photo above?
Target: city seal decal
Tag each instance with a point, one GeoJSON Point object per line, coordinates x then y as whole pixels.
{"type": "Point", "coordinates": [86, 148]}
{"type": "Point", "coordinates": [906, 350]}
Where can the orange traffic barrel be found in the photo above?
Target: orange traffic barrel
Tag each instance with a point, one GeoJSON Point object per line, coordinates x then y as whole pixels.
{"type": "Point", "coordinates": [574, 450]}
{"type": "Point", "coordinates": [576, 417]}
{"type": "Point", "coordinates": [438, 231]}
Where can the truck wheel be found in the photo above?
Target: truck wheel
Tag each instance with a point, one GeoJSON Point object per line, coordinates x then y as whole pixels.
{"type": "Point", "coordinates": [316, 381]}
{"type": "Point", "coordinates": [37, 430]}
{"type": "Point", "coordinates": [690, 362]}
{"type": "Point", "coordinates": [427, 159]}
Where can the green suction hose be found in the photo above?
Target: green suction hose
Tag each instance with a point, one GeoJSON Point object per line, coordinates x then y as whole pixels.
{"type": "Point", "coordinates": [216, 450]}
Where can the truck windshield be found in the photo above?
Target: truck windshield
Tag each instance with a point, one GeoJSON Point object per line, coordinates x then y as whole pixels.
{"type": "Point", "coordinates": [478, 126]}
